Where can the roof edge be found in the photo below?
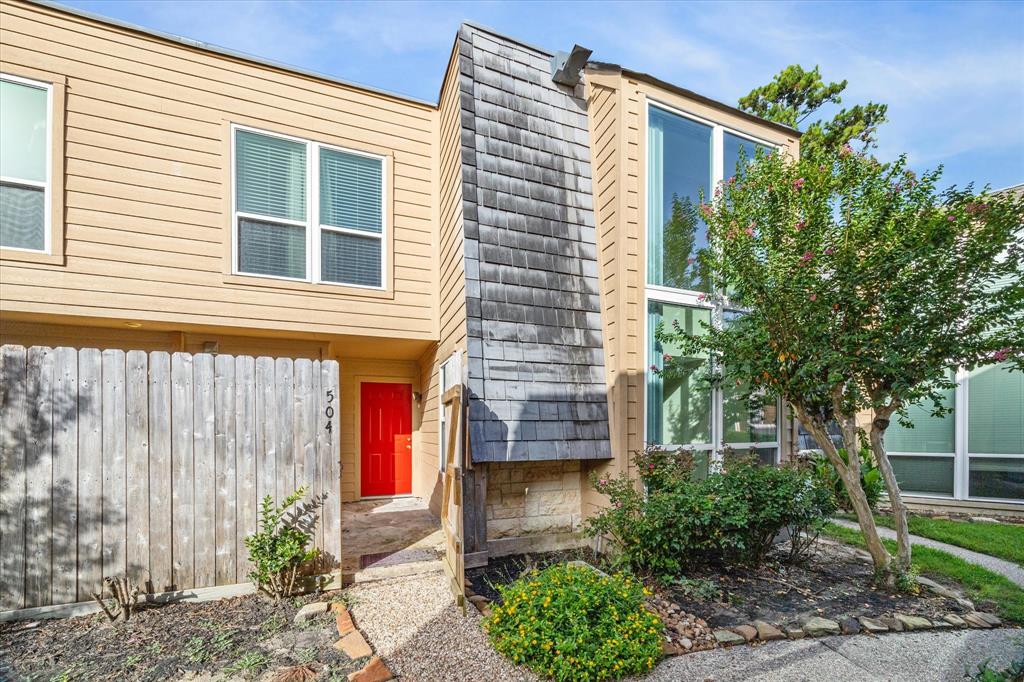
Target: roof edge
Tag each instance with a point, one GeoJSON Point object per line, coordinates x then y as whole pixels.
{"type": "Point", "coordinates": [227, 52]}
{"type": "Point", "coordinates": [690, 94]}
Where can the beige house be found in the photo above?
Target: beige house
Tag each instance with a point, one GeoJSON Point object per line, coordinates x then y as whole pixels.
{"type": "Point", "coordinates": [166, 196]}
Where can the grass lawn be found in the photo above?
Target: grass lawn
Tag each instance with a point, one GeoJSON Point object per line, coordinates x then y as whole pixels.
{"type": "Point", "coordinates": [1002, 540]}
{"type": "Point", "coordinates": [979, 583]}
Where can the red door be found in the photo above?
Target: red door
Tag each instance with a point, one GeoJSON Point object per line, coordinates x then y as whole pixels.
{"type": "Point", "coordinates": [386, 433]}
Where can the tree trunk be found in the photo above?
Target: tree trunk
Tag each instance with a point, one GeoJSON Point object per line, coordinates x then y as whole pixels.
{"type": "Point", "coordinates": [899, 509]}
{"type": "Point", "coordinates": [851, 480]}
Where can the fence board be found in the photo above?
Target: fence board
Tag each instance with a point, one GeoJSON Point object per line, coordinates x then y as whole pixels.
{"type": "Point", "coordinates": [330, 459]}
{"type": "Point", "coordinates": [266, 433]}
{"type": "Point", "coordinates": [284, 389]}
{"type": "Point", "coordinates": [152, 464]}
{"type": "Point", "coordinates": [205, 472]}
{"type": "Point", "coordinates": [12, 483]}
{"type": "Point", "coordinates": [224, 447]}
{"type": "Point", "coordinates": [245, 430]}
{"type": "Point", "coordinates": [182, 472]}
{"type": "Point", "coordinates": [137, 466]}
{"type": "Point", "coordinates": [39, 460]}
{"type": "Point", "coordinates": [161, 528]}
{"type": "Point", "coordinates": [65, 476]}
{"type": "Point", "coordinates": [90, 473]}
{"type": "Point", "coordinates": [113, 413]}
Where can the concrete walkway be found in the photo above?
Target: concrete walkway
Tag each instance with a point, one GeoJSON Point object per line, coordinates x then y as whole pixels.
{"type": "Point", "coordinates": [922, 657]}
{"type": "Point", "coordinates": [996, 565]}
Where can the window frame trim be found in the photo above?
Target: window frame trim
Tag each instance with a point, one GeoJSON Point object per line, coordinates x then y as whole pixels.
{"type": "Point", "coordinates": [48, 185]}
{"type": "Point", "coordinates": [312, 226]}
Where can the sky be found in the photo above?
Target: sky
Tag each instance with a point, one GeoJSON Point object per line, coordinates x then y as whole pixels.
{"type": "Point", "coordinates": [952, 73]}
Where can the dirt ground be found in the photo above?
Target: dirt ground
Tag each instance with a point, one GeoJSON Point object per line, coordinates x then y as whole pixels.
{"type": "Point", "coordinates": [247, 637]}
{"type": "Point", "coordinates": [833, 583]}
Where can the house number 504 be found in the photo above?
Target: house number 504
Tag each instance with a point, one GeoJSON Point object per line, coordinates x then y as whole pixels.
{"type": "Point", "coordinates": [329, 411]}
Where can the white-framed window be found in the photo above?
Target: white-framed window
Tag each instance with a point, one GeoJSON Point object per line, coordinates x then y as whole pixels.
{"type": "Point", "coordinates": [687, 154]}
{"type": "Point", "coordinates": [307, 211]}
{"type": "Point", "coordinates": [450, 374]}
{"type": "Point", "coordinates": [26, 181]}
{"type": "Point", "coordinates": [974, 453]}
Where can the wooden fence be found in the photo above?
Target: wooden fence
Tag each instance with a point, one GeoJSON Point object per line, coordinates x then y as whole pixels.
{"type": "Point", "coordinates": [153, 464]}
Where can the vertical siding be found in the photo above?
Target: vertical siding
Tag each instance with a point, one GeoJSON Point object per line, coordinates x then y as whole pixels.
{"type": "Point", "coordinates": [147, 183]}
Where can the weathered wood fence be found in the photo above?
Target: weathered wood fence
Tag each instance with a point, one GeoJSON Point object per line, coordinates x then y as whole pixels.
{"type": "Point", "coordinates": [153, 464]}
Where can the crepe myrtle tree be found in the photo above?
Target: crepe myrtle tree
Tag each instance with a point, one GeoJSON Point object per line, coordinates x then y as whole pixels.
{"type": "Point", "coordinates": [864, 289]}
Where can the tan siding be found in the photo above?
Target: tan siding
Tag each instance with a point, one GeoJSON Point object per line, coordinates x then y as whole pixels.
{"type": "Point", "coordinates": [147, 184]}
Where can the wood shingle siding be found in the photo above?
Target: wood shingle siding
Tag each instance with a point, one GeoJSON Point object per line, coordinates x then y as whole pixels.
{"type": "Point", "coordinates": [147, 184]}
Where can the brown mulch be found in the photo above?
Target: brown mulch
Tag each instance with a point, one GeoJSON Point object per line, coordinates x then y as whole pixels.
{"type": "Point", "coordinates": [835, 582]}
{"type": "Point", "coordinates": [241, 637]}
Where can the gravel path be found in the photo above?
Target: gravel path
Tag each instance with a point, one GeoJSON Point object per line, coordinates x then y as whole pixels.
{"type": "Point", "coordinates": [1001, 566]}
{"type": "Point", "coordinates": [922, 657]}
{"type": "Point", "coordinates": [414, 625]}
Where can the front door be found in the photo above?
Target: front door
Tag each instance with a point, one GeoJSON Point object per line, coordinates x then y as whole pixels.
{"type": "Point", "coordinates": [386, 437]}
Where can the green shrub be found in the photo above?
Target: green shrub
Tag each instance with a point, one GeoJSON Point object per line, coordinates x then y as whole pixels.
{"type": "Point", "coordinates": [674, 521]}
{"type": "Point", "coordinates": [870, 478]}
{"type": "Point", "coordinates": [280, 545]}
{"type": "Point", "coordinates": [570, 622]}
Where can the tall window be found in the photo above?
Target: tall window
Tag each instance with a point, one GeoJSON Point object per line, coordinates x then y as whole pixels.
{"type": "Point", "coordinates": [25, 164]}
{"type": "Point", "coordinates": [977, 451]}
{"type": "Point", "coordinates": [687, 156]}
{"type": "Point", "coordinates": [306, 211]}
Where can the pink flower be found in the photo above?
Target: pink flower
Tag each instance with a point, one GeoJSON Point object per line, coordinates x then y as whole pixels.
{"type": "Point", "coordinates": [690, 261]}
{"type": "Point", "coordinates": [951, 218]}
{"type": "Point", "coordinates": [701, 297]}
{"type": "Point", "coordinates": [808, 255]}
{"type": "Point", "coordinates": [603, 481]}
{"type": "Point", "coordinates": [706, 210]}
{"type": "Point", "coordinates": [800, 225]}
{"type": "Point", "coordinates": [749, 231]}
{"type": "Point", "coordinates": [846, 150]}
{"type": "Point", "coordinates": [813, 297]}
{"type": "Point", "coordinates": [651, 467]}
{"type": "Point", "coordinates": [654, 368]}
{"type": "Point", "coordinates": [666, 357]}
{"type": "Point", "coordinates": [829, 251]}
{"type": "Point", "coordinates": [1001, 354]}
{"type": "Point", "coordinates": [732, 179]}
{"type": "Point", "coordinates": [798, 183]}
{"type": "Point", "coordinates": [718, 191]}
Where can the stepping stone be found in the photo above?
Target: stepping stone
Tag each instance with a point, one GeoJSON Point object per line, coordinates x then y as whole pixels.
{"type": "Point", "coordinates": [941, 625]}
{"type": "Point", "coordinates": [354, 645]}
{"type": "Point", "coordinates": [965, 603]}
{"type": "Point", "coordinates": [954, 620]}
{"type": "Point", "coordinates": [767, 632]}
{"type": "Point", "coordinates": [477, 599]}
{"type": "Point", "coordinates": [345, 624]}
{"type": "Point", "coordinates": [338, 606]}
{"type": "Point", "coordinates": [892, 624]}
{"type": "Point", "coordinates": [793, 632]}
{"type": "Point", "coordinates": [728, 638]}
{"type": "Point", "coordinates": [975, 620]}
{"type": "Point", "coordinates": [310, 610]}
{"type": "Point", "coordinates": [820, 627]}
{"type": "Point", "coordinates": [913, 622]}
{"type": "Point", "coordinates": [849, 626]}
{"type": "Point", "coordinates": [374, 671]}
{"type": "Point", "coordinates": [873, 626]}
{"type": "Point", "coordinates": [747, 632]}
{"type": "Point", "coordinates": [936, 588]}
{"type": "Point", "coordinates": [990, 618]}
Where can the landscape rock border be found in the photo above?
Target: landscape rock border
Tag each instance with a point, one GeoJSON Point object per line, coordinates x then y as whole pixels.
{"type": "Point", "coordinates": [350, 641]}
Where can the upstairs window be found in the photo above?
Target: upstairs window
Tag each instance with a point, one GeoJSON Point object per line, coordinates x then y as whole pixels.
{"type": "Point", "coordinates": [307, 211]}
{"type": "Point", "coordinates": [25, 184]}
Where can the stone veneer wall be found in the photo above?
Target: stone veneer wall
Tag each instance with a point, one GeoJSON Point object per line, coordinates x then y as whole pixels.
{"type": "Point", "coordinates": [533, 498]}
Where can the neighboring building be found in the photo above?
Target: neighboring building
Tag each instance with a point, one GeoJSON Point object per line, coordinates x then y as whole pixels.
{"type": "Point", "coordinates": [159, 194]}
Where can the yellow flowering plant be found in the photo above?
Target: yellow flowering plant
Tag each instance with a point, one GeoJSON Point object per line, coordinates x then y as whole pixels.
{"type": "Point", "coordinates": [571, 622]}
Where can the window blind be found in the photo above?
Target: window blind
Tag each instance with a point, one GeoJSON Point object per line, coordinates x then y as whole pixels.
{"type": "Point", "coordinates": [350, 259]}
{"type": "Point", "coordinates": [350, 191]}
{"type": "Point", "coordinates": [995, 411]}
{"type": "Point", "coordinates": [271, 249]}
{"type": "Point", "coordinates": [930, 434]}
{"type": "Point", "coordinates": [927, 475]}
{"type": "Point", "coordinates": [22, 217]}
{"type": "Point", "coordinates": [22, 131]}
{"type": "Point", "coordinates": [270, 176]}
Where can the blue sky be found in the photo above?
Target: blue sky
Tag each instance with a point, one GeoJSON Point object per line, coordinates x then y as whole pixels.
{"type": "Point", "coordinates": [952, 73]}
